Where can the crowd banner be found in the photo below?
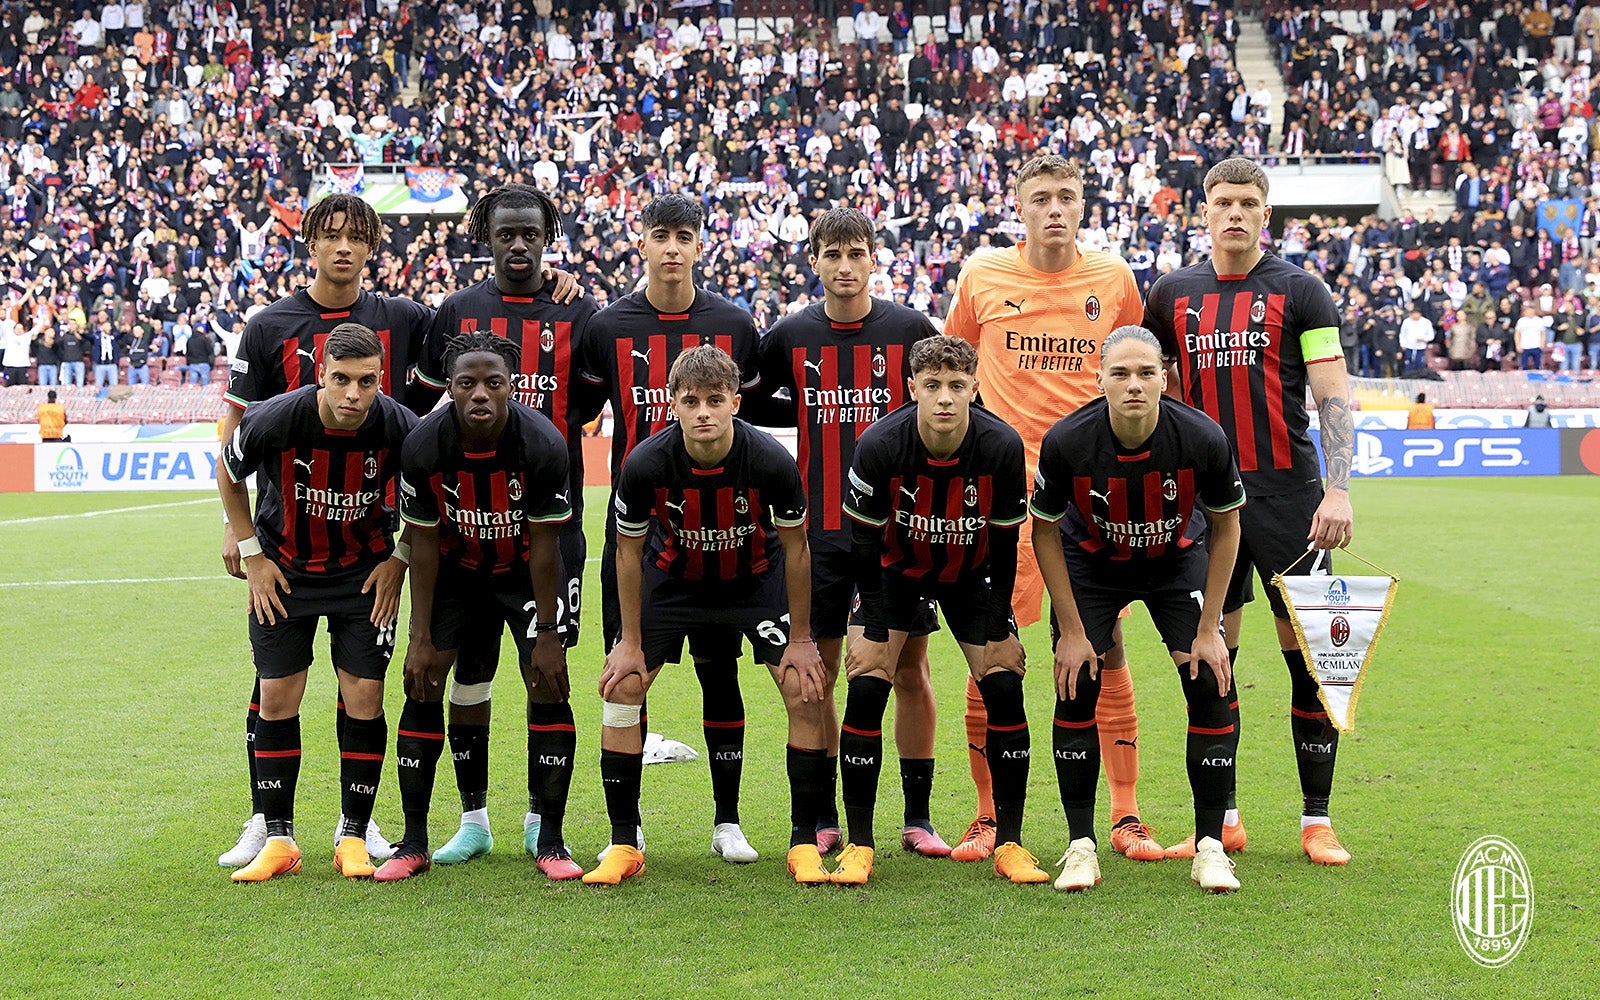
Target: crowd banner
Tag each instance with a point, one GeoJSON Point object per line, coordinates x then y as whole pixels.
{"type": "Point", "coordinates": [1337, 621]}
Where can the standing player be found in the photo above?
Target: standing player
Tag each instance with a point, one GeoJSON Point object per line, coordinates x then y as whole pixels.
{"type": "Point", "coordinates": [710, 539]}
{"type": "Point", "coordinates": [485, 490]}
{"type": "Point", "coordinates": [630, 348]}
{"type": "Point", "coordinates": [844, 362]}
{"type": "Point", "coordinates": [1249, 333]}
{"type": "Point", "coordinates": [319, 546]}
{"type": "Point", "coordinates": [1115, 521]}
{"type": "Point", "coordinates": [279, 352]}
{"type": "Point", "coordinates": [517, 223]}
{"type": "Point", "coordinates": [1037, 313]}
{"type": "Point", "coordinates": [937, 494]}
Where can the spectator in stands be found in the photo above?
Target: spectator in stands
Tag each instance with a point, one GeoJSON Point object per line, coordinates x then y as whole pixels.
{"type": "Point", "coordinates": [1416, 333]}
{"type": "Point", "coordinates": [71, 347]}
{"type": "Point", "coordinates": [14, 345]}
{"type": "Point", "coordinates": [1531, 332]}
{"type": "Point", "coordinates": [47, 356]}
{"type": "Point", "coordinates": [52, 418]}
{"type": "Point", "coordinates": [200, 351]}
{"type": "Point", "coordinates": [139, 354]}
{"type": "Point", "coordinates": [106, 349]}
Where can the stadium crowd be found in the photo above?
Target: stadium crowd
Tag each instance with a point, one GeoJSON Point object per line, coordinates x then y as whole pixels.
{"type": "Point", "coordinates": [156, 158]}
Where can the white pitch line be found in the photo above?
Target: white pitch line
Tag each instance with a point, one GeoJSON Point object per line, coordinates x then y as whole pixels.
{"type": "Point", "coordinates": [90, 583]}
{"type": "Point", "coordinates": [112, 510]}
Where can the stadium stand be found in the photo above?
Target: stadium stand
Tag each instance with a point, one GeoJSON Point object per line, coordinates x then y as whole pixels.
{"type": "Point", "coordinates": [151, 175]}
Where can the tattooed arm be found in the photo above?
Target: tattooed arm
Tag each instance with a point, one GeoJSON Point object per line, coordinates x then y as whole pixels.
{"type": "Point", "coordinates": [1333, 524]}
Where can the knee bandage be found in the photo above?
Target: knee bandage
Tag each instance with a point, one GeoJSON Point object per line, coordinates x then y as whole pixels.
{"type": "Point", "coordinates": [619, 716]}
{"type": "Point", "coordinates": [469, 694]}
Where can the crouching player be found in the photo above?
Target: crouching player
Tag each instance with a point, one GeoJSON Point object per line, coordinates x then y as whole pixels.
{"type": "Point", "coordinates": [485, 492]}
{"type": "Point", "coordinates": [711, 540]}
{"type": "Point", "coordinates": [320, 546]}
{"type": "Point", "coordinates": [1115, 521]}
{"type": "Point", "coordinates": [937, 492]}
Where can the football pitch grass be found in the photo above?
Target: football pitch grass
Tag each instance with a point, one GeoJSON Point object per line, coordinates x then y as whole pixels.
{"type": "Point", "coordinates": [124, 778]}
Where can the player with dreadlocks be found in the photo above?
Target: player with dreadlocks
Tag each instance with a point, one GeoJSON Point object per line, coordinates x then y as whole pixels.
{"type": "Point", "coordinates": [515, 305]}
{"type": "Point", "coordinates": [484, 488]}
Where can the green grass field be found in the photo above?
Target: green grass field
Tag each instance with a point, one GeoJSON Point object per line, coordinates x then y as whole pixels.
{"type": "Point", "coordinates": [123, 778]}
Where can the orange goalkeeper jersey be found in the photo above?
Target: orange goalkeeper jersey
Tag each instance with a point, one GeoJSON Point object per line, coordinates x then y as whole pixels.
{"type": "Point", "coordinates": [1038, 336]}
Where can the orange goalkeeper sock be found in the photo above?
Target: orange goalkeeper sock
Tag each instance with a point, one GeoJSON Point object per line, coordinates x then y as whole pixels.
{"type": "Point", "coordinates": [977, 740]}
{"type": "Point", "coordinates": [1119, 741]}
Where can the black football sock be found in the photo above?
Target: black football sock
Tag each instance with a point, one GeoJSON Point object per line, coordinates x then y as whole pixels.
{"type": "Point", "coordinates": [1233, 708]}
{"type": "Point", "coordinates": [360, 770]}
{"type": "Point", "coordinates": [1007, 751]}
{"type": "Point", "coordinates": [807, 780]}
{"type": "Point", "coordinates": [340, 720]}
{"type": "Point", "coordinates": [1210, 750]}
{"type": "Point", "coordinates": [469, 747]}
{"type": "Point", "coordinates": [723, 722]}
{"type": "Point", "coordinates": [252, 715]}
{"type": "Point", "coordinates": [552, 742]}
{"type": "Point", "coordinates": [828, 817]}
{"type": "Point", "coordinates": [861, 753]}
{"type": "Point", "coordinates": [278, 771]}
{"type": "Point", "coordinates": [419, 741]}
{"type": "Point", "coordinates": [916, 785]}
{"type": "Point", "coordinates": [1075, 744]}
{"type": "Point", "coordinates": [1316, 741]}
{"type": "Point", "coordinates": [620, 775]}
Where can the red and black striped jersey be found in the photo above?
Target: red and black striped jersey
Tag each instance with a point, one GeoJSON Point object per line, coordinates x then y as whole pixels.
{"type": "Point", "coordinates": [549, 335]}
{"type": "Point", "coordinates": [321, 494]}
{"type": "Point", "coordinates": [936, 513]}
{"type": "Point", "coordinates": [715, 526]}
{"type": "Point", "coordinates": [282, 344]}
{"type": "Point", "coordinates": [842, 377]}
{"type": "Point", "coordinates": [1134, 508]}
{"type": "Point", "coordinates": [1242, 344]}
{"type": "Point", "coordinates": [631, 345]}
{"type": "Point", "coordinates": [483, 503]}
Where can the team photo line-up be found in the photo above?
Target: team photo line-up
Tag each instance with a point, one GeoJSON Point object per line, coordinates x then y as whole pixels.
{"type": "Point", "coordinates": [1059, 437]}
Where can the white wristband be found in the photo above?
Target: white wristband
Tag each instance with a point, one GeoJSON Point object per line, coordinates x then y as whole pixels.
{"type": "Point", "coordinates": [402, 552]}
{"type": "Point", "coordinates": [249, 547]}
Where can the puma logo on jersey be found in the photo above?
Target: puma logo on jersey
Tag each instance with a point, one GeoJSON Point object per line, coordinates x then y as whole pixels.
{"type": "Point", "coordinates": [454, 491]}
{"type": "Point", "coordinates": [910, 493]}
{"type": "Point", "coordinates": [1015, 305]}
{"type": "Point", "coordinates": [814, 366]}
{"type": "Point", "coordinates": [308, 354]}
{"type": "Point", "coordinates": [676, 506]}
{"type": "Point", "coordinates": [562, 497]}
{"type": "Point", "coordinates": [1193, 312]}
{"type": "Point", "coordinates": [303, 463]}
{"type": "Point", "coordinates": [1099, 496]}
{"type": "Point", "coordinates": [645, 357]}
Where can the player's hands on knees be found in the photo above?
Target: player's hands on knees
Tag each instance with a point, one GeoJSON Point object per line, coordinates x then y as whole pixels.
{"type": "Point", "coordinates": [1005, 654]}
{"type": "Point", "coordinates": [565, 287]}
{"type": "Point", "coordinates": [230, 553]}
{"type": "Point", "coordinates": [265, 579]}
{"type": "Point", "coordinates": [384, 583]}
{"type": "Point", "coordinates": [622, 662]}
{"type": "Point", "coordinates": [548, 665]}
{"type": "Point", "coordinates": [1212, 649]}
{"type": "Point", "coordinates": [864, 656]}
{"type": "Point", "coordinates": [421, 676]}
{"type": "Point", "coordinates": [1074, 655]}
{"type": "Point", "coordinates": [1333, 525]}
{"type": "Point", "coordinates": [802, 657]}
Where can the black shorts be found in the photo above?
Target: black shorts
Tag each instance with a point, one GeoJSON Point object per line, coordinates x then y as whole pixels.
{"type": "Point", "coordinates": [1272, 534]}
{"type": "Point", "coordinates": [834, 604]}
{"type": "Point", "coordinates": [908, 604]}
{"type": "Point", "coordinates": [704, 645]}
{"type": "Point", "coordinates": [1174, 599]}
{"type": "Point", "coordinates": [673, 610]}
{"type": "Point", "coordinates": [470, 613]}
{"type": "Point", "coordinates": [574, 558]}
{"type": "Point", "coordinates": [357, 646]}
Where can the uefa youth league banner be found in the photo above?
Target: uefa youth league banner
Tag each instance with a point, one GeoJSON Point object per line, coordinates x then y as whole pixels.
{"type": "Point", "coordinates": [1337, 621]}
{"type": "Point", "coordinates": [126, 466]}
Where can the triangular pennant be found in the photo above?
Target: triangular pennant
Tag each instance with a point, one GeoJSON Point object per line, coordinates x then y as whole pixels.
{"type": "Point", "coordinates": [1337, 621]}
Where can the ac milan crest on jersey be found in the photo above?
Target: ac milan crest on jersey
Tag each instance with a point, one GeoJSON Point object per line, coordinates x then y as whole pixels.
{"type": "Point", "coordinates": [879, 365]}
{"type": "Point", "coordinates": [371, 467]}
{"type": "Point", "coordinates": [1258, 311]}
{"type": "Point", "coordinates": [547, 338]}
{"type": "Point", "coordinates": [1091, 308]}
